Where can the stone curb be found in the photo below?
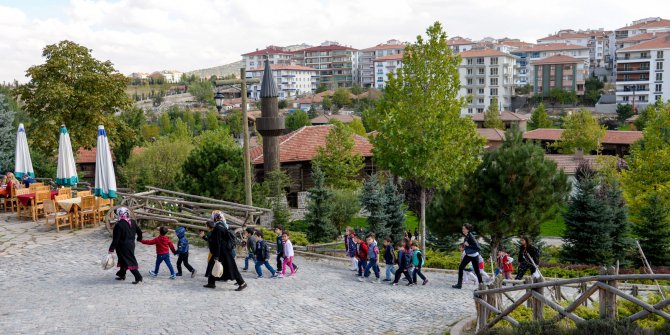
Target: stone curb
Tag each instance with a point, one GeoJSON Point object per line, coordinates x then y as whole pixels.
{"type": "Point", "coordinates": [458, 328]}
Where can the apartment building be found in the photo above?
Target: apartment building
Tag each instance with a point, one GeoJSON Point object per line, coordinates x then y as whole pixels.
{"type": "Point", "coordinates": [336, 65]}
{"type": "Point", "coordinates": [640, 78]}
{"type": "Point", "coordinates": [276, 55]}
{"type": "Point", "coordinates": [647, 25]}
{"type": "Point", "coordinates": [383, 66]}
{"type": "Point", "coordinates": [459, 44]}
{"type": "Point", "coordinates": [292, 80]}
{"type": "Point", "coordinates": [559, 71]}
{"type": "Point", "coordinates": [367, 70]}
{"type": "Point", "coordinates": [527, 55]}
{"type": "Point", "coordinates": [484, 75]}
{"type": "Point", "coordinates": [601, 45]}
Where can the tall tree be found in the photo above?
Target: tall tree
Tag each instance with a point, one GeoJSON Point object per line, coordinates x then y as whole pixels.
{"type": "Point", "coordinates": [357, 127]}
{"type": "Point", "coordinates": [73, 88]}
{"type": "Point", "coordinates": [623, 112]}
{"type": "Point", "coordinates": [539, 118]}
{"type": "Point", "coordinates": [582, 131]}
{"type": "Point", "coordinates": [7, 136]}
{"type": "Point", "coordinates": [374, 201]}
{"type": "Point", "coordinates": [202, 91]}
{"type": "Point", "coordinates": [395, 211]}
{"type": "Point", "coordinates": [342, 97]}
{"type": "Point", "coordinates": [653, 230]}
{"type": "Point", "coordinates": [510, 193]}
{"type": "Point", "coordinates": [621, 241]}
{"type": "Point", "coordinates": [593, 88]}
{"type": "Point", "coordinates": [319, 207]}
{"type": "Point", "coordinates": [297, 120]}
{"type": "Point", "coordinates": [338, 159]}
{"type": "Point", "coordinates": [421, 133]}
{"type": "Point", "coordinates": [492, 116]}
{"type": "Point", "coordinates": [278, 181]}
{"type": "Point", "coordinates": [345, 206]}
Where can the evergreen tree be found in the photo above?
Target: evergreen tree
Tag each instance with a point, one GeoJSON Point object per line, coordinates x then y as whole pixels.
{"type": "Point", "coordinates": [320, 228]}
{"type": "Point", "coordinates": [588, 225]}
{"type": "Point", "coordinates": [621, 242]}
{"type": "Point", "coordinates": [277, 182]}
{"type": "Point", "coordinates": [7, 136]}
{"type": "Point", "coordinates": [311, 113]}
{"type": "Point", "coordinates": [373, 200]}
{"type": "Point", "coordinates": [492, 116]}
{"type": "Point", "coordinates": [395, 211]}
{"type": "Point", "coordinates": [539, 118]}
{"type": "Point", "coordinates": [653, 230]}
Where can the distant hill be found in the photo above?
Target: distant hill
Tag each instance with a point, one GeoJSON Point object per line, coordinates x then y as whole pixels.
{"type": "Point", "coordinates": [219, 71]}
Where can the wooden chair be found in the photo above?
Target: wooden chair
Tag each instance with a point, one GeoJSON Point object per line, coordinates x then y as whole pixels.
{"type": "Point", "coordinates": [102, 207]}
{"type": "Point", "coordinates": [19, 205]}
{"type": "Point", "coordinates": [61, 219]}
{"type": "Point", "coordinates": [10, 201]}
{"type": "Point", "coordinates": [58, 198]}
{"type": "Point", "coordinates": [43, 188]}
{"type": "Point", "coordinates": [83, 194]}
{"type": "Point", "coordinates": [33, 187]}
{"type": "Point", "coordinates": [38, 206]}
{"type": "Point", "coordinates": [65, 191]}
{"type": "Point", "coordinates": [87, 213]}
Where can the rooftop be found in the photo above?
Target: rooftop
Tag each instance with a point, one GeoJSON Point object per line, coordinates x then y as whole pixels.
{"type": "Point", "coordinates": [386, 46]}
{"type": "Point", "coordinates": [552, 47]}
{"type": "Point", "coordinates": [661, 42]}
{"type": "Point", "coordinates": [279, 67]}
{"type": "Point", "coordinates": [557, 59]}
{"type": "Point", "coordinates": [644, 37]}
{"type": "Point", "coordinates": [566, 34]}
{"type": "Point", "coordinates": [484, 53]}
{"type": "Point", "coordinates": [270, 50]}
{"type": "Point", "coordinates": [87, 156]}
{"type": "Point", "coordinates": [646, 24]}
{"type": "Point", "coordinates": [457, 40]}
{"type": "Point", "coordinates": [389, 57]}
{"type": "Point", "coordinates": [570, 163]}
{"type": "Point", "coordinates": [611, 136]}
{"type": "Point", "coordinates": [302, 145]}
{"type": "Point", "coordinates": [492, 134]}
{"type": "Point", "coordinates": [325, 119]}
{"type": "Point", "coordinates": [505, 116]}
{"type": "Point", "coordinates": [332, 47]}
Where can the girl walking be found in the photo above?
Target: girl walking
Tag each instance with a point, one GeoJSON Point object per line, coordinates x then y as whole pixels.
{"type": "Point", "coordinates": [288, 255]}
{"type": "Point", "coordinates": [471, 255]}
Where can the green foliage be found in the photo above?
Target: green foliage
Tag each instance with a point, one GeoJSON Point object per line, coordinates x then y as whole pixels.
{"type": "Point", "coordinates": [357, 127]}
{"type": "Point", "coordinates": [132, 122]}
{"type": "Point", "coordinates": [510, 193]}
{"type": "Point", "coordinates": [278, 181]}
{"type": "Point", "coordinates": [593, 88]}
{"type": "Point", "coordinates": [395, 211]}
{"type": "Point", "coordinates": [653, 230]}
{"type": "Point", "coordinates": [539, 118]}
{"type": "Point", "coordinates": [492, 116]}
{"type": "Point", "coordinates": [282, 104]}
{"type": "Point", "coordinates": [339, 160]}
{"type": "Point", "coordinates": [582, 131]}
{"type": "Point", "coordinates": [327, 104]}
{"type": "Point", "coordinates": [7, 136]}
{"type": "Point", "coordinates": [321, 88]}
{"type": "Point", "coordinates": [44, 165]}
{"type": "Point", "coordinates": [215, 167]}
{"type": "Point", "coordinates": [75, 89]}
{"type": "Point", "coordinates": [557, 95]}
{"type": "Point", "coordinates": [345, 207]}
{"type": "Point", "coordinates": [311, 113]}
{"type": "Point", "coordinates": [356, 89]}
{"type": "Point", "coordinates": [374, 201]}
{"type": "Point", "coordinates": [319, 208]}
{"type": "Point", "coordinates": [159, 164]}
{"type": "Point", "coordinates": [202, 91]}
{"type": "Point", "coordinates": [523, 90]}
{"type": "Point", "coordinates": [624, 112]}
{"type": "Point", "coordinates": [234, 122]}
{"type": "Point", "coordinates": [297, 120]}
{"type": "Point", "coordinates": [342, 97]}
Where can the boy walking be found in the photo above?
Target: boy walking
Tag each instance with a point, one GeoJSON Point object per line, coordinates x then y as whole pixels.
{"type": "Point", "coordinates": [263, 256]}
{"type": "Point", "coordinates": [373, 256]}
{"type": "Point", "coordinates": [280, 249]}
{"type": "Point", "coordinates": [163, 247]}
{"type": "Point", "coordinates": [389, 258]}
{"type": "Point", "coordinates": [418, 261]}
{"type": "Point", "coordinates": [361, 254]}
{"type": "Point", "coordinates": [182, 252]}
{"type": "Point", "coordinates": [251, 247]}
{"type": "Point", "coordinates": [350, 247]}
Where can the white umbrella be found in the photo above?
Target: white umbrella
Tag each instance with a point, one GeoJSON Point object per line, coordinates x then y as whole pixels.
{"type": "Point", "coordinates": [22, 163]}
{"type": "Point", "coordinates": [66, 174]}
{"type": "Point", "coordinates": [105, 180]}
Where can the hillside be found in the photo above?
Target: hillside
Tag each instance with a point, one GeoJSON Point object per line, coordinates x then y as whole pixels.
{"type": "Point", "coordinates": [219, 71]}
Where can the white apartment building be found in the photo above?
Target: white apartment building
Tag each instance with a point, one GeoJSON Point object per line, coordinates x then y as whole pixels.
{"type": "Point", "coordinates": [172, 76]}
{"type": "Point", "coordinates": [600, 43]}
{"type": "Point", "coordinates": [537, 52]}
{"type": "Point", "coordinates": [486, 74]}
{"type": "Point", "coordinates": [292, 80]}
{"type": "Point", "coordinates": [383, 66]}
{"type": "Point", "coordinates": [336, 65]}
{"type": "Point", "coordinates": [641, 79]}
{"type": "Point", "coordinates": [367, 70]}
{"type": "Point", "coordinates": [276, 55]}
{"type": "Point", "coordinates": [459, 44]}
{"type": "Point", "coordinates": [647, 25]}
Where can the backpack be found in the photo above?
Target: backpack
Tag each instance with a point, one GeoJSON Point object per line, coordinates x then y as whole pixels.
{"type": "Point", "coordinates": [420, 257]}
{"type": "Point", "coordinates": [408, 257]}
{"type": "Point", "coordinates": [228, 238]}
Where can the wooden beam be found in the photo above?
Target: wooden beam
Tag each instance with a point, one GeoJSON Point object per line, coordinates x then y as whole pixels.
{"type": "Point", "coordinates": [585, 295]}
{"type": "Point", "coordinates": [634, 300]}
{"type": "Point", "coordinates": [643, 313]}
{"type": "Point", "coordinates": [508, 310]}
{"type": "Point", "coordinates": [557, 307]}
{"type": "Point", "coordinates": [222, 202]}
{"type": "Point", "coordinates": [497, 311]}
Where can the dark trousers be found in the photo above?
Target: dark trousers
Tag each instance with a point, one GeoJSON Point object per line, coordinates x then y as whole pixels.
{"type": "Point", "coordinates": [234, 273]}
{"type": "Point", "coordinates": [122, 273]}
{"type": "Point", "coordinates": [417, 272]}
{"type": "Point", "coordinates": [372, 264]}
{"type": "Point", "coordinates": [523, 267]}
{"type": "Point", "coordinates": [362, 264]}
{"type": "Point", "coordinates": [399, 273]}
{"type": "Point", "coordinates": [475, 267]}
{"type": "Point", "coordinates": [280, 264]}
{"type": "Point", "coordinates": [183, 258]}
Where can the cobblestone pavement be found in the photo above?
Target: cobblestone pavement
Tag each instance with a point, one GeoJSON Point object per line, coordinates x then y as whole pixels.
{"type": "Point", "coordinates": [52, 283]}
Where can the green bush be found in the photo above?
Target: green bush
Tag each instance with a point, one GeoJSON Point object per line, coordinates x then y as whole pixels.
{"type": "Point", "coordinates": [296, 237]}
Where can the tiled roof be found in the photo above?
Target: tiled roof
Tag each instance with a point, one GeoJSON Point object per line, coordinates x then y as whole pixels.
{"type": "Point", "coordinates": [279, 67]}
{"type": "Point", "coordinates": [385, 47]}
{"type": "Point", "coordinates": [660, 23]}
{"type": "Point", "coordinates": [88, 156]}
{"type": "Point", "coordinates": [557, 59]}
{"type": "Point", "coordinates": [516, 44]}
{"type": "Point", "coordinates": [484, 53]}
{"type": "Point", "coordinates": [325, 119]}
{"type": "Point", "coordinates": [302, 145]}
{"type": "Point", "coordinates": [504, 116]}
{"type": "Point", "coordinates": [389, 57]}
{"type": "Point", "coordinates": [492, 134]}
{"type": "Point", "coordinates": [271, 50]}
{"type": "Point", "coordinates": [459, 41]}
{"type": "Point", "coordinates": [570, 163]}
{"type": "Point", "coordinates": [662, 42]}
{"type": "Point", "coordinates": [574, 34]}
{"type": "Point", "coordinates": [643, 37]}
{"type": "Point", "coordinates": [552, 47]}
{"type": "Point", "coordinates": [611, 136]}
{"type": "Point", "coordinates": [328, 48]}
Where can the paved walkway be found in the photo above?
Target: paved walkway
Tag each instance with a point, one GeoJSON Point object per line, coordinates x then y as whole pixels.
{"type": "Point", "coordinates": [52, 284]}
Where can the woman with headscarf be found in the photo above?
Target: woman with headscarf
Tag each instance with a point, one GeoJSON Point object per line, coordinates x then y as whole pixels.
{"type": "Point", "coordinates": [123, 241]}
{"type": "Point", "coordinates": [221, 245]}
{"type": "Point", "coordinates": [529, 257]}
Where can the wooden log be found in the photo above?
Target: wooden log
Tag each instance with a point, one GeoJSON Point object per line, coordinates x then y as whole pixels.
{"type": "Point", "coordinates": [527, 282]}
{"type": "Point", "coordinates": [634, 300]}
{"type": "Point", "coordinates": [491, 308]}
{"type": "Point", "coordinates": [583, 297]}
{"type": "Point", "coordinates": [603, 297]}
{"type": "Point", "coordinates": [485, 312]}
{"type": "Point", "coordinates": [538, 306]}
{"type": "Point", "coordinates": [611, 297]}
{"type": "Point", "coordinates": [643, 313]}
{"type": "Point", "coordinates": [220, 202]}
{"type": "Point", "coordinates": [229, 218]}
{"type": "Point", "coordinates": [557, 293]}
{"type": "Point", "coordinates": [634, 291]}
{"type": "Point", "coordinates": [508, 296]}
{"type": "Point", "coordinates": [508, 310]}
{"type": "Point", "coordinates": [557, 307]}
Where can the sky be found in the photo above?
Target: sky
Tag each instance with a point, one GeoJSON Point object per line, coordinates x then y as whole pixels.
{"type": "Point", "coordinates": [150, 35]}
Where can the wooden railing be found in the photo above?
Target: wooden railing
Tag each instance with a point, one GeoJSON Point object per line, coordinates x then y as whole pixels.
{"type": "Point", "coordinates": [491, 309]}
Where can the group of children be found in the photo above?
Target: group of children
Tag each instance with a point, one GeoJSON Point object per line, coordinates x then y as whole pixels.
{"type": "Point", "coordinates": [504, 266]}
{"type": "Point", "coordinates": [365, 255]}
{"type": "Point", "coordinates": [164, 246]}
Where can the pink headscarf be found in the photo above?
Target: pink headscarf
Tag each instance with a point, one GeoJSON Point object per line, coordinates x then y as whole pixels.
{"type": "Point", "coordinates": [123, 214]}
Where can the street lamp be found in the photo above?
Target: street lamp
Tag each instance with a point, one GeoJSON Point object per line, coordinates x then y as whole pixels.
{"type": "Point", "coordinates": [218, 99]}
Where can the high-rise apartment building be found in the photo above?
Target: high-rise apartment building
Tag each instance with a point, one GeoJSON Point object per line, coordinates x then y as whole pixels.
{"type": "Point", "coordinates": [292, 80]}
{"type": "Point", "coordinates": [599, 42]}
{"type": "Point", "coordinates": [640, 72]}
{"type": "Point", "coordinates": [485, 75]}
{"type": "Point", "coordinates": [336, 65]}
{"type": "Point", "coordinates": [367, 71]}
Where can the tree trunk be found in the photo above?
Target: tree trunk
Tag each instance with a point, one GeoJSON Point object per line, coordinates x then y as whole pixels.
{"type": "Point", "coordinates": [423, 219]}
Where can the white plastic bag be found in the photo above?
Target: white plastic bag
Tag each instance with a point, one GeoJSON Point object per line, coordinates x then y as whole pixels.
{"type": "Point", "coordinates": [217, 270]}
{"type": "Point", "coordinates": [537, 274]}
{"type": "Point", "coordinates": [107, 261]}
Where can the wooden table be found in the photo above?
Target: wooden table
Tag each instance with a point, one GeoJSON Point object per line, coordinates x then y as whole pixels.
{"type": "Point", "coordinates": [72, 207]}
{"type": "Point", "coordinates": [29, 198]}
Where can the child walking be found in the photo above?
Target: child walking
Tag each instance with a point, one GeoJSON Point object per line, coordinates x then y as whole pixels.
{"type": "Point", "coordinates": [404, 263]}
{"type": "Point", "coordinates": [373, 256]}
{"type": "Point", "coordinates": [418, 260]}
{"type": "Point", "coordinates": [350, 247]}
{"type": "Point", "coordinates": [468, 274]}
{"type": "Point", "coordinates": [251, 247]}
{"type": "Point", "coordinates": [361, 254]}
{"type": "Point", "coordinates": [163, 247]}
{"type": "Point", "coordinates": [389, 258]}
{"type": "Point", "coordinates": [182, 252]}
{"type": "Point", "coordinates": [505, 266]}
{"type": "Point", "coordinates": [280, 249]}
{"type": "Point", "coordinates": [288, 255]}
{"type": "Point", "coordinates": [263, 256]}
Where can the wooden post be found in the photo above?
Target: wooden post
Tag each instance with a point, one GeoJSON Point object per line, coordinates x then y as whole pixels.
{"type": "Point", "coordinates": [603, 296]}
{"type": "Point", "coordinates": [582, 289]}
{"type": "Point", "coordinates": [557, 293]}
{"type": "Point", "coordinates": [538, 306]}
{"type": "Point", "coordinates": [245, 138]}
{"type": "Point", "coordinates": [611, 296]}
{"type": "Point", "coordinates": [482, 312]}
{"type": "Point", "coordinates": [635, 291]}
{"type": "Point", "coordinates": [527, 281]}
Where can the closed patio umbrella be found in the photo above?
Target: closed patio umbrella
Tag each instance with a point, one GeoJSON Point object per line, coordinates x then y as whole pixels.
{"type": "Point", "coordinates": [105, 179]}
{"type": "Point", "coordinates": [66, 174]}
{"type": "Point", "coordinates": [22, 163]}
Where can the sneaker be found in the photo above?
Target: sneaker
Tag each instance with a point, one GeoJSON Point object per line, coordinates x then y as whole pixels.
{"type": "Point", "coordinates": [409, 284]}
{"type": "Point", "coordinates": [274, 275]}
{"type": "Point", "coordinates": [456, 286]}
{"type": "Point", "coordinates": [153, 274]}
{"type": "Point", "coordinates": [137, 282]}
{"type": "Point", "coordinates": [360, 279]}
{"type": "Point", "coordinates": [394, 284]}
{"type": "Point", "coordinates": [377, 281]}
{"type": "Point", "coordinates": [209, 286]}
{"type": "Point", "coordinates": [173, 277]}
{"type": "Point", "coordinates": [245, 270]}
{"type": "Point", "coordinates": [193, 273]}
{"type": "Point", "coordinates": [260, 277]}
{"type": "Point", "coordinates": [387, 280]}
{"type": "Point", "coordinates": [280, 276]}
{"type": "Point", "coordinates": [178, 275]}
{"type": "Point", "coordinates": [425, 282]}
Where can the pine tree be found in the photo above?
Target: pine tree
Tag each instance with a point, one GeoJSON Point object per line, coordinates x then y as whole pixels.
{"type": "Point", "coordinates": [588, 225]}
{"type": "Point", "coordinates": [395, 211]}
{"type": "Point", "coordinates": [373, 200]}
{"type": "Point", "coordinates": [621, 242]}
{"type": "Point", "coordinates": [320, 228]}
{"type": "Point", "coordinates": [277, 182]}
{"type": "Point", "coordinates": [492, 116]}
{"type": "Point", "coordinates": [653, 230]}
{"type": "Point", "coordinates": [539, 118]}
{"type": "Point", "coordinates": [7, 136]}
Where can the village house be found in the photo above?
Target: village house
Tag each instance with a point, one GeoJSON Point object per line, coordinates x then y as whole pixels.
{"type": "Point", "coordinates": [615, 142]}
{"type": "Point", "coordinates": [509, 119]}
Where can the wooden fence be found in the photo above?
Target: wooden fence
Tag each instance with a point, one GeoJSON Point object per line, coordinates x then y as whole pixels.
{"type": "Point", "coordinates": [538, 293]}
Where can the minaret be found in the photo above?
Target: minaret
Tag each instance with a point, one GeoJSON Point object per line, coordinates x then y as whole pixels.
{"type": "Point", "coordinates": [271, 124]}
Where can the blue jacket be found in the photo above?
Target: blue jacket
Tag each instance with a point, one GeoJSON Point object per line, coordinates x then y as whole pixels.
{"type": "Point", "coordinates": [473, 246]}
{"type": "Point", "coordinates": [182, 245]}
{"type": "Point", "coordinates": [373, 251]}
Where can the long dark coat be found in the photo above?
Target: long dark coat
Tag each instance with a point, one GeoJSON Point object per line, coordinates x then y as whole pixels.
{"type": "Point", "coordinates": [123, 241]}
{"type": "Point", "coordinates": [219, 247]}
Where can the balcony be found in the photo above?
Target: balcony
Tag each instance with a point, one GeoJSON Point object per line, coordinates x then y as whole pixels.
{"type": "Point", "coordinates": [633, 70]}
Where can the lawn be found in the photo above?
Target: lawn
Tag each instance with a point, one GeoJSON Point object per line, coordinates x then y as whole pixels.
{"type": "Point", "coordinates": [554, 227]}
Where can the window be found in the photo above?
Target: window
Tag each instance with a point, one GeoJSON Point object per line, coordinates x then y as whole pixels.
{"type": "Point", "coordinates": [481, 81]}
{"type": "Point", "coordinates": [659, 76]}
{"type": "Point", "coordinates": [494, 92]}
{"type": "Point", "coordinates": [481, 71]}
{"type": "Point", "coordinates": [380, 71]}
{"type": "Point", "coordinates": [469, 61]}
{"type": "Point", "coordinates": [381, 79]}
{"type": "Point", "coordinates": [480, 91]}
{"type": "Point", "coordinates": [480, 110]}
{"type": "Point", "coordinates": [494, 60]}
{"type": "Point", "coordinates": [659, 54]}
{"type": "Point", "coordinates": [659, 88]}
{"type": "Point", "coordinates": [469, 90]}
{"type": "Point", "coordinates": [494, 71]}
{"type": "Point", "coordinates": [469, 81]}
{"type": "Point", "coordinates": [644, 76]}
{"type": "Point", "coordinates": [469, 110]}
{"type": "Point", "coordinates": [480, 60]}
{"type": "Point", "coordinates": [469, 71]}
{"type": "Point", "coordinates": [494, 81]}
{"type": "Point", "coordinates": [625, 98]}
{"type": "Point", "coordinates": [644, 55]}
{"type": "Point", "coordinates": [659, 66]}
{"type": "Point", "coordinates": [481, 100]}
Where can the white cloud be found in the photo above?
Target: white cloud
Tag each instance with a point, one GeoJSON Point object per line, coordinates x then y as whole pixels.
{"type": "Point", "coordinates": [151, 35]}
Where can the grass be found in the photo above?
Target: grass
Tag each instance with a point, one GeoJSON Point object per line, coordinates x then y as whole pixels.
{"type": "Point", "coordinates": [554, 228]}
